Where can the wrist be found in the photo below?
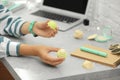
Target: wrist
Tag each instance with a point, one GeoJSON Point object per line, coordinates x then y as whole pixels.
{"type": "Point", "coordinates": [30, 28]}
{"type": "Point", "coordinates": [24, 29]}
{"type": "Point", "coordinates": [12, 48]}
{"type": "Point", "coordinates": [28, 50]}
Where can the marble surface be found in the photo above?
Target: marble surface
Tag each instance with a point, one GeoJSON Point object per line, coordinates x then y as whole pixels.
{"type": "Point", "coordinates": [31, 68]}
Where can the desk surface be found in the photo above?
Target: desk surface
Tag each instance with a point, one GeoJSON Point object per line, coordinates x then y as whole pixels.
{"type": "Point", "coordinates": [31, 68]}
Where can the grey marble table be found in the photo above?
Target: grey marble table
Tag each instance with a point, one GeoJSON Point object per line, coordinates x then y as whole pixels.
{"type": "Point", "coordinates": [31, 68]}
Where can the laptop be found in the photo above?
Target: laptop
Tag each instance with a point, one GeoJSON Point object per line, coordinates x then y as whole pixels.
{"type": "Point", "coordinates": [68, 13]}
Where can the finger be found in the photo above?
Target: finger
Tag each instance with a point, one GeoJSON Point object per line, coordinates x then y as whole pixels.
{"type": "Point", "coordinates": [53, 49]}
{"type": "Point", "coordinates": [55, 31]}
{"type": "Point", "coordinates": [51, 63]}
{"type": "Point", "coordinates": [59, 59]}
{"type": "Point", "coordinates": [52, 34]}
{"type": "Point", "coordinates": [46, 24]}
{"type": "Point", "coordinates": [53, 59]}
{"type": "Point", "coordinates": [56, 28]}
{"type": "Point", "coordinates": [55, 62]}
{"type": "Point", "coordinates": [47, 21]}
{"type": "Point", "coordinates": [47, 62]}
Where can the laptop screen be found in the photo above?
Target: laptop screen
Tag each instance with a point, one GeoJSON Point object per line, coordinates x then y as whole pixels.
{"type": "Point", "coordinates": [78, 6]}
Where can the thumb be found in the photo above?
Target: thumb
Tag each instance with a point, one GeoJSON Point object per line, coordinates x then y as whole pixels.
{"type": "Point", "coordinates": [46, 23]}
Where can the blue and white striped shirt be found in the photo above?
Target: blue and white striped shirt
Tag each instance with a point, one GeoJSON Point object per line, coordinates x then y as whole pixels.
{"type": "Point", "coordinates": [9, 25]}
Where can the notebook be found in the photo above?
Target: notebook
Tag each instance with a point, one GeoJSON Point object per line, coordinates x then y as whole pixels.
{"type": "Point", "coordinates": [69, 13]}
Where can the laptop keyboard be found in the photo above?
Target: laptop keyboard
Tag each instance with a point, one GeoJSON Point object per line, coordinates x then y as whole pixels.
{"type": "Point", "coordinates": [54, 16]}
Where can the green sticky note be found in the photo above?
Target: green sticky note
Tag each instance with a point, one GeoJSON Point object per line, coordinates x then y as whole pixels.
{"type": "Point", "coordinates": [100, 53]}
{"type": "Point", "coordinates": [52, 24]}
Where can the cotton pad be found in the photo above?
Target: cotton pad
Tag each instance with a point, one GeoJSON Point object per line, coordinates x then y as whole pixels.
{"type": "Point", "coordinates": [101, 39]}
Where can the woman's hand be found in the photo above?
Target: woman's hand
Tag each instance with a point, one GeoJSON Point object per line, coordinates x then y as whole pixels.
{"type": "Point", "coordinates": [42, 29]}
{"type": "Point", "coordinates": [42, 52]}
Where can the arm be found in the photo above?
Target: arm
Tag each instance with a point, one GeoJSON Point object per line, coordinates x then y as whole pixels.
{"type": "Point", "coordinates": [17, 49]}
{"type": "Point", "coordinates": [9, 24]}
{"type": "Point", "coordinates": [15, 26]}
{"type": "Point", "coordinates": [42, 52]}
{"type": "Point", "coordinates": [39, 28]}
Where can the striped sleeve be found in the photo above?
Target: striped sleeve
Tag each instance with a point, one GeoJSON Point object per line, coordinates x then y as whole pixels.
{"type": "Point", "coordinates": [9, 24]}
{"type": "Point", "coordinates": [8, 47]}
